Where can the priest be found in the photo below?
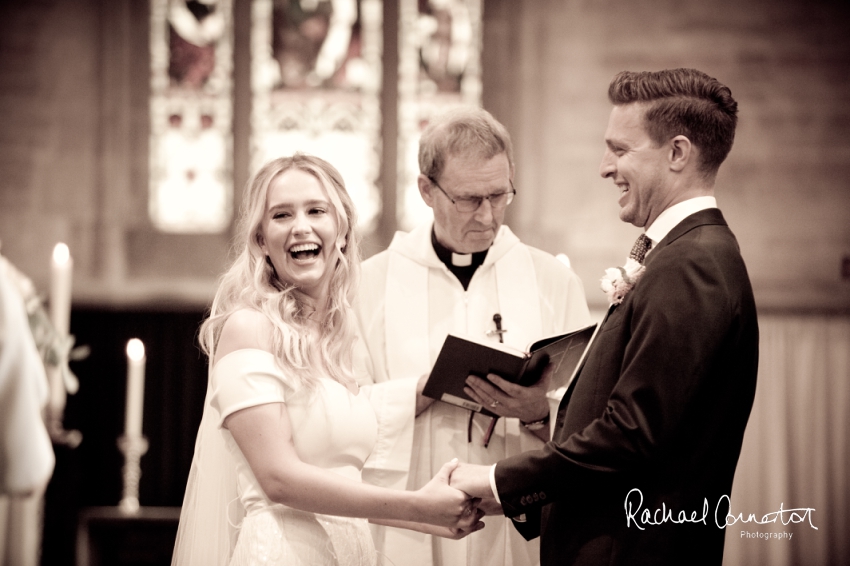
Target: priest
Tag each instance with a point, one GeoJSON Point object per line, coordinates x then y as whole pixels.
{"type": "Point", "coordinates": [464, 273]}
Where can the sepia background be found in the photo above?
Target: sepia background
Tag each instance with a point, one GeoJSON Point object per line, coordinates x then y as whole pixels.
{"type": "Point", "coordinates": [75, 139]}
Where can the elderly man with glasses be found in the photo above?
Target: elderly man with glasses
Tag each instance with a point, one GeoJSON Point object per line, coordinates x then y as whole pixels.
{"type": "Point", "coordinates": [464, 273]}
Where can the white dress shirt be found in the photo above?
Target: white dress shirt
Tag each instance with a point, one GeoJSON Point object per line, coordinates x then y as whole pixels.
{"type": "Point", "coordinates": [670, 217]}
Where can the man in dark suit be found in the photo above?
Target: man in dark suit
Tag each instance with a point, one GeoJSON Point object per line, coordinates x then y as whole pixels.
{"type": "Point", "coordinates": [648, 435]}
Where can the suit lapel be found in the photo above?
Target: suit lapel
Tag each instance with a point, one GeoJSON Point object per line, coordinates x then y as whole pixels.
{"type": "Point", "coordinates": [710, 216]}
{"type": "Point", "coordinates": [706, 217]}
{"type": "Point", "coordinates": [566, 398]}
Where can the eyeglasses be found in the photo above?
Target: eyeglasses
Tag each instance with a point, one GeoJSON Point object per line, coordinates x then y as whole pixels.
{"type": "Point", "coordinates": [471, 204]}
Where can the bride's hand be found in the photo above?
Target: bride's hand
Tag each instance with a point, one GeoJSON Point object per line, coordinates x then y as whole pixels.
{"type": "Point", "coordinates": [457, 533]}
{"type": "Point", "coordinates": [446, 506]}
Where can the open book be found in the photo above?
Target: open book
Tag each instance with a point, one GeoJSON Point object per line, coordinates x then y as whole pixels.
{"type": "Point", "coordinates": [464, 356]}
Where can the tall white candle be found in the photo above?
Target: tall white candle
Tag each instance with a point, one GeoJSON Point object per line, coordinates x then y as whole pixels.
{"type": "Point", "coordinates": [135, 388]}
{"type": "Point", "coordinates": [61, 270]}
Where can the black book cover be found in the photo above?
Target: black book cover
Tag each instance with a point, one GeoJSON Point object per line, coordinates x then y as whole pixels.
{"type": "Point", "coordinates": [460, 357]}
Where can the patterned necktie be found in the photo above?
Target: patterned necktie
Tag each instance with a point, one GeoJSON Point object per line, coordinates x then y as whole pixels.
{"type": "Point", "coordinates": [640, 248]}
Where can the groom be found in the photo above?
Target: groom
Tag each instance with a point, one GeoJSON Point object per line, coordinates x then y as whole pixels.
{"type": "Point", "coordinates": [648, 435]}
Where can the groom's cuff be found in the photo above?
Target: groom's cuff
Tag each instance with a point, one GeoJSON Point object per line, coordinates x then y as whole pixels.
{"type": "Point", "coordinates": [518, 518]}
{"type": "Point", "coordinates": [493, 483]}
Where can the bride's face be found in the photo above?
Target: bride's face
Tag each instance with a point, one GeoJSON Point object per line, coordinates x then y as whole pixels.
{"type": "Point", "coordinates": [299, 231]}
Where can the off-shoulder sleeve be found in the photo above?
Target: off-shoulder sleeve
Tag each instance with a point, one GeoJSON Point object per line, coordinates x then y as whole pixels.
{"type": "Point", "coordinates": [246, 378]}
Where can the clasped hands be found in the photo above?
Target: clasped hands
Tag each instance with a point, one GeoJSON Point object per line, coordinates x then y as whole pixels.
{"type": "Point", "coordinates": [461, 493]}
{"type": "Point", "coordinates": [448, 504]}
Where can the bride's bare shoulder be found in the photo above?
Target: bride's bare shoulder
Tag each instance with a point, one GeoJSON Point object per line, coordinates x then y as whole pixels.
{"type": "Point", "coordinates": [244, 329]}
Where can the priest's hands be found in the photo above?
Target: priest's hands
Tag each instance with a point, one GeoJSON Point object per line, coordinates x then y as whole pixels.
{"type": "Point", "coordinates": [507, 399]}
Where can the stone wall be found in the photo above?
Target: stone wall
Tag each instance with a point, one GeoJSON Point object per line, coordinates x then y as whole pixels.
{"type": "Point", "coordinates": [73, 142]}
{"type": "Point", "coordinates": [785, 188]}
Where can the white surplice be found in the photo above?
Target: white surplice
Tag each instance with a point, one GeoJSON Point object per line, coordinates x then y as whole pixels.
{"type": "Point", "coordinates": [408, 302]}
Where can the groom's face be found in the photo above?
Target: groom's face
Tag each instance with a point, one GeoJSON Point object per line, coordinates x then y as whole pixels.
{"type": "Point", "coordinates": [636, 165]}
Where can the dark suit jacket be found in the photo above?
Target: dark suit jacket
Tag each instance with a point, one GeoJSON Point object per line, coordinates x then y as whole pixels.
{"type": "Point", "coordinates": [660, 406]}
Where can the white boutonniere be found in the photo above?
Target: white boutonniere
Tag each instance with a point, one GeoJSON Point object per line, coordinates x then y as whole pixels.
{"type": "Point", "coordinates": [618, 281]}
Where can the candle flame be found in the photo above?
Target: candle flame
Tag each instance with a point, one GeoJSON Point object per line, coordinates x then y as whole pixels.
{"type": "Point", "coordinates": [135, 349]}
{"type": "Point", "coordinates": [61, 253]}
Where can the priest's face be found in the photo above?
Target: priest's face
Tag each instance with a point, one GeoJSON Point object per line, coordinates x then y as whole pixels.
{"type": "Point", "coordinates": [463, 178]}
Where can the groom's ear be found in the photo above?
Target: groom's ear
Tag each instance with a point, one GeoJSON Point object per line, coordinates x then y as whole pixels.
{"type": "Point", "coordinates": [681, 153]}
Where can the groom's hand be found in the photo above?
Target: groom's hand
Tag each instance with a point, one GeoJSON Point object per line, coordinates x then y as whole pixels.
{"type": "Point", "coordinates": [473, 480]}
{"type": "Point", "coordinates": [491, 507]}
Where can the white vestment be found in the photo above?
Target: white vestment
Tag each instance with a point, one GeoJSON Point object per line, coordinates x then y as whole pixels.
{"type": "Point", "coordinates": [408, 301]}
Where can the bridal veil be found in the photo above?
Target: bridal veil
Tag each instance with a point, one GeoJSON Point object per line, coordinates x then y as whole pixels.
{"type": "Point", "coordinates": [211, 510]}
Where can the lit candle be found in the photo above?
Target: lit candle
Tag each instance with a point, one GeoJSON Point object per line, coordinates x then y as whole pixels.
{"type": "Point", "coordinates": [61, 268]}
{"type": "Point", "coordinates": [60, 289]}
{"type": "Point", "coordinates": [135, 388]}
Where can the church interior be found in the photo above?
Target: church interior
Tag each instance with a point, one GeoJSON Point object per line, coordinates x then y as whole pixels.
{"type": "Point", "coordinates": [129, 129]}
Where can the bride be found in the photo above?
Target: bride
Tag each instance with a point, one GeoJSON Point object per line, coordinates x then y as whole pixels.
{"type": "Point", "coordinates": [276, 473]}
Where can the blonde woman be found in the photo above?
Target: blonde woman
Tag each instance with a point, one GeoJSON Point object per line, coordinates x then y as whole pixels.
{"type": "Point", "coordinates": [276, 474]}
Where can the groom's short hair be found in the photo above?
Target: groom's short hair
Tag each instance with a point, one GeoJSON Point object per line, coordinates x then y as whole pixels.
{"type": "Point", "coordinates": [684, 102]}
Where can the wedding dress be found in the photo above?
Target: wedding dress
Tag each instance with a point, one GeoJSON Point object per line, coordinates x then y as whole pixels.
{"type": "Point", "coordinates": [226, 517]}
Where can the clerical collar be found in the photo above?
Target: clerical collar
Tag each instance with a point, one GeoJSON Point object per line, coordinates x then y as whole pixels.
{"type": "Point", "coordinates": [461, 260]}
{"type": "Point", "coordinates": [462, 265]}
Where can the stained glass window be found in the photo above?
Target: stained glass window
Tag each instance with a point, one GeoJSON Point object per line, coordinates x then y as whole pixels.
{"type": "Point", "coordinates": [315, 87]}
{"type": "Point", "coordinates": [439, 68]}
{"type": "Point", "coordinates": [316, 77]}
{"type": "Point", "coordinates": [191, 179]}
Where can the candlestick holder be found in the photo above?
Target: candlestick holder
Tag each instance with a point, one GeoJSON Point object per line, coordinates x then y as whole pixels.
{"type": "Point", "coordinates": [133, 448]}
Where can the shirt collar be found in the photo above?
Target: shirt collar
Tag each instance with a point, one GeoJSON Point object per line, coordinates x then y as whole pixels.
{"type": "Point", "coordinates": [452, 259]}
{"type": "Point", "coordinates": [670, 217]}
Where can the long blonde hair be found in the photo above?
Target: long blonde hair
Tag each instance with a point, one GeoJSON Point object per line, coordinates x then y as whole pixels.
{"type": "Point", "coordinates": [251, 282]}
